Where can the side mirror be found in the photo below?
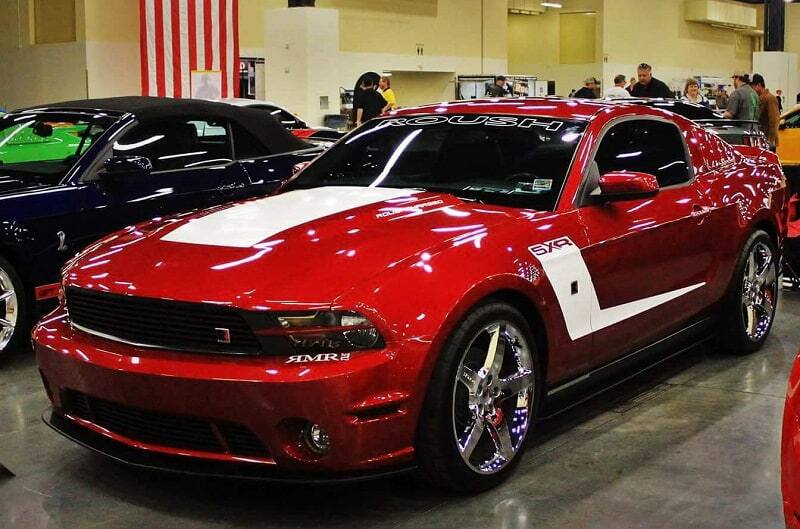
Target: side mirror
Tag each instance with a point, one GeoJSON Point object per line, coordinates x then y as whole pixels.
{"type": "Point", "coordinates": [126, 166]}
{"type": "Point", "coordinates": [627, 186]}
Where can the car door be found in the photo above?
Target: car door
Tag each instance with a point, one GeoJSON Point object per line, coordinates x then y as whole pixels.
{"type": "Point", "coordinates": [789, 139]}
{"type": "Point", "coordinates": [648, 259]}
{"type": "Point", "coordinates": [192, 167]}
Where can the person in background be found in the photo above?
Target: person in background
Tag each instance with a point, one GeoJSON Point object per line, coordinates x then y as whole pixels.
{"type": "Point", "coordinates": [587, 92]}
{"type": "Point", "coordinates": [631, 84]}
{"type": "Point", "coordinates": [691, 93]}
{"type": "Point", "coordinates": [618, 90]}
{"type": "Point", "coordinates": [721, 98]}
{"type": "Point", "coordinates": [649, 86]}
{"type": "Point", "coordinates": [743, 103]}
{"type": "Point", "coordinates": [388, 94]}
{"type": "Point", "coordinates": [779, 97]}
{"type": "Point", "coordinates": [769, 116]}
{"type": "Point", "coordinates": [370, 104]}
{"type": "Point", "coordinates": [498, 89]}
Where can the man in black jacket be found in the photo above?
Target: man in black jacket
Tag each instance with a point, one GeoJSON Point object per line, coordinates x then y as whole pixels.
{"type": "Point", "coordinates": [587, 92]}
{"type": "Point", "coordinates": [649, 86]}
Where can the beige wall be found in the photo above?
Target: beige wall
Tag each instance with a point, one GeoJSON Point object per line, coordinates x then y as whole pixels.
{"type": "Point", "coordinates": [534, 45]}
{"type": "Point", "coordinates": [792, 44]}
{"type": "Point", "coordinates": [675, 48]}
{"type": "Point", "coordinates": [112, 48]}
{"type": "Point", "coordinates": [37, 74]}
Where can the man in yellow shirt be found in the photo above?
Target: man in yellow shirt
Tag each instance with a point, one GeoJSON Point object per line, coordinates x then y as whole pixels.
{"type": "Point", "coordinates": [388, 94]}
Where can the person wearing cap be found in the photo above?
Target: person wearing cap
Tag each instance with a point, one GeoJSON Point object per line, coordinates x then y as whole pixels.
{"type": "Point", "coordinates": [498, 88]}
{"type": "Point", "coordinates": [769, 116]}
{"type": "Point", "coordinates": [618, 90]}
{"type": "Point", "coordinates": [649, 86]}
{"type": "Point", "coordinates": [743, 103]}
{"type": "Point", "coordinates": [587, 92]}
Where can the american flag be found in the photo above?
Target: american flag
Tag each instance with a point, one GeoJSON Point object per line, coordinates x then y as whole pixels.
{"type": "Point", "coordinates": [178, 37]}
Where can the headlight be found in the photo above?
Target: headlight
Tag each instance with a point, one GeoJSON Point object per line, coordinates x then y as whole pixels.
{"type": "Point", "coordinates": [325, 330]}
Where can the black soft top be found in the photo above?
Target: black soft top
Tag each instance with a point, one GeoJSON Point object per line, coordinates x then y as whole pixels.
{"type": "Point", "coordinates": [146, 109]}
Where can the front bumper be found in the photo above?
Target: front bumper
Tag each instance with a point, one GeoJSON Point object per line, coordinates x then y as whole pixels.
{"type": "Point", "coordinates": [153, 460]}
{"type": "Point", "coordinates": [369, 405]}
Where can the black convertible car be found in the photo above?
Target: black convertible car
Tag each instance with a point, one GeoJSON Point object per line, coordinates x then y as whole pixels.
{"type": "Point", "coordinates": [72, 172]}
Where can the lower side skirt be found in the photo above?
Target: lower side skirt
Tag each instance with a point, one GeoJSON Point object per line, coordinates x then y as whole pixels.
{"type": "Point", "coordinates": [567, 395]}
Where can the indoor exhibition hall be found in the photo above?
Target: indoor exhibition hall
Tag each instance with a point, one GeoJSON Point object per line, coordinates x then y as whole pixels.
{"type": "Point", "coordinates": [400, 264]}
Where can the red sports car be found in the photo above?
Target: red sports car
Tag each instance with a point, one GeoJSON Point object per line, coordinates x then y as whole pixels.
{"type": "Point", "coordinates": [418, 296]}
{"type": "Point", "coordinates": [790, 451]}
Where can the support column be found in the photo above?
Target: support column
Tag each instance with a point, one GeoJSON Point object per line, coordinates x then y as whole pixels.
{"type": "Point", "coordinates": [774, 24]}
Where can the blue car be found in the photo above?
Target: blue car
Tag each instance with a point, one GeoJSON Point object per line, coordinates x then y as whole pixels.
{"type": "Point", "coordinates": [72, 172]}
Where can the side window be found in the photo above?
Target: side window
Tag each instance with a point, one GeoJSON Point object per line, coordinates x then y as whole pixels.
{"type": "Point", "coordinates": [172, 144]}
{"type": "Point", "coordinates": [646, 146]}
{"type": "Point", "coordinates": [245, 145]}
{"type": "Point", "coordinates": [286, 119]}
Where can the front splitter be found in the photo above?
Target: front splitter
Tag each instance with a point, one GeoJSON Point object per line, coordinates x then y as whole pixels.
{"type": "Point", "coordinates": [134, 457]}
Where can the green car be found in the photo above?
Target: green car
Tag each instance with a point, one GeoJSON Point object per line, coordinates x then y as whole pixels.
{"type": "Point", "coordinates": [36, 141]}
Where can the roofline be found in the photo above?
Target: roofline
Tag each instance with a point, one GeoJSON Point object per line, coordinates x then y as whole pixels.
{"type": "Point", "coordinates": [84, 110]}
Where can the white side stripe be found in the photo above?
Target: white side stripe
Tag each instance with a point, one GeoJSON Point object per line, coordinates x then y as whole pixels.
{"type": "Point", "coordinates": [563, 264]}
{"type": "Point", "coordinates": [247, 224]}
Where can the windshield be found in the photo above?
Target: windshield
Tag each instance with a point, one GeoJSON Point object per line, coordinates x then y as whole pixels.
{"type": "Point", "coordinates": [518, 161]}
{"type": "Point", "coordinates": [44, 146]}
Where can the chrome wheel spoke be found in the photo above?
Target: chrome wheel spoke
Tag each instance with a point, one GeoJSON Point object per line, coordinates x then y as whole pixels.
{"type": "Point", "coordinates": [515, 384]}
{"type": "Point", "coordinates": [767, 276]}
{"type": "Point", "coordinates": [502, 439]}
{"type": "Point", "coordinates": [473, 435]}
{"type": "Point", "coordinates": [6, 295]}
{"type": "Point", "coordinates": [469, 378]}
{"type": "Point", "coordinates": [751, 267]}
{"type": "Point", "coordinates": [6, 324]}
{"type": "Point", "coordinates": [496, 352]}
{"type": "Point", "coordinates": [765, 306]}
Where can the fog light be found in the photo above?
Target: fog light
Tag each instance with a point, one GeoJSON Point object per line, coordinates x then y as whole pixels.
{"type": "Point", "coordinates": [316, 438]}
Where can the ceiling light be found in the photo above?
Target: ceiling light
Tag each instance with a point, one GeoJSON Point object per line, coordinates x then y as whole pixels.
{"type": "Point", "coordinates": [551, 4]}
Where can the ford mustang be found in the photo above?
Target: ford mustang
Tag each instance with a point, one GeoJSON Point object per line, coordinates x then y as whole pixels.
{"type": "Point", "coordinates": [75, 171]}
{"type": "Point", "coordinates": [420, 295]}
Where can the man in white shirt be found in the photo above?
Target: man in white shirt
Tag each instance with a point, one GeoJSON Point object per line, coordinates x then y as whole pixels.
{"type": "Point", "coordinates": [618, 90]}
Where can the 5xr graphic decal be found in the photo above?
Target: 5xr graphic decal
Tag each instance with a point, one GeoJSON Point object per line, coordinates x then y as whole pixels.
{"type": "Point", "coordinates": [564, 266]}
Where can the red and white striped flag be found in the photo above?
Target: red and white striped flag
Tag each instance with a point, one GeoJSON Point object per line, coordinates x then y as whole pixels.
{"type": "Point", "coordinates": [178, 37]}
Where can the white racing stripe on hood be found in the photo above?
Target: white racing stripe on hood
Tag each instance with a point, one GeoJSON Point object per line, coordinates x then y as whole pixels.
{"type": "Point", "coordinates": [247, 224]}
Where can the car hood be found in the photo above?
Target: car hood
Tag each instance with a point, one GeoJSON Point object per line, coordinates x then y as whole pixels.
{"type": "Point", "coordinates": [300, 249]}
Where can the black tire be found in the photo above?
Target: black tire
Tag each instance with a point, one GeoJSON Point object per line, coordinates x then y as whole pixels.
{"type": "Point", "coordinates": [22, 325]}
{"type": "Point", "coordinates": [733, 330]}
{"type": "Point", "coordinates": [439, 456]}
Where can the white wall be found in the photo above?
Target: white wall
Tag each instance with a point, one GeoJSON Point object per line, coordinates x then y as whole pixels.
{"type": "Point", "coordinates": [304, 62]}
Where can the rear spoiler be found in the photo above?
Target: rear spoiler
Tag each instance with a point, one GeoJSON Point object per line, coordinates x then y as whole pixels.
{"type": "Point", "coordinates": [757, 154]}
{"type": "Point", "coordinates": [722, 123]}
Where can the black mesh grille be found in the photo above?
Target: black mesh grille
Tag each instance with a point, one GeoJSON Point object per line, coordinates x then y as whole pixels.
{"type": "Point", "coordinates": [178, 325]}
{"type": "Point", "coordinates": [166, 430]}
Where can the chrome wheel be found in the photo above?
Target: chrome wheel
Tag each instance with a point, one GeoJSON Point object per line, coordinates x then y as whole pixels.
{"type": "Point", "coordinates": [9, 309]}
{"type": "Point", "coordinates": [493, 397]}
{"type": "Point", "coordinates": [759, 292]}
